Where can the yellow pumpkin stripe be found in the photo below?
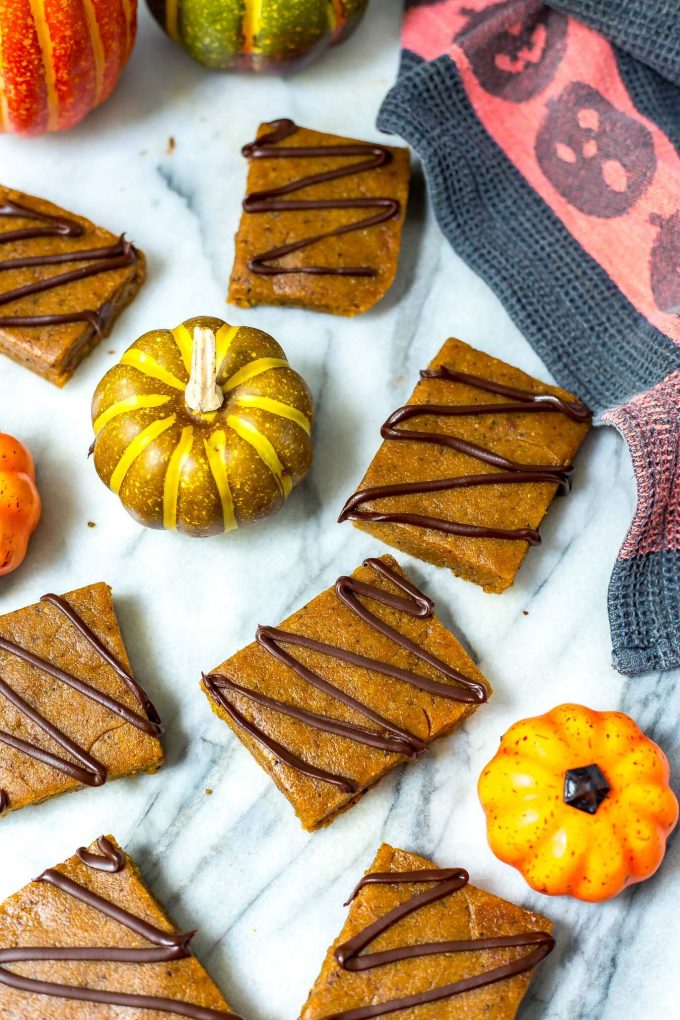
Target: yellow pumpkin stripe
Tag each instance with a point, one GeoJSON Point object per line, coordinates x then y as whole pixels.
{"type": "Point", "coordinates": [265, 451]}
{"type": "Point", "coordinates": [276, 407]}
{"type": "Point", "coordinates": [172, 18]}
{"type": "Point", "coordinates": [252, 23]}
{"type": "Point", "coordinates": [147, 365]}
{"type": "Point", "coordinates": [137, 447]}
{"type": "Point", "coordinates": [185, 342]}
{"type": "Point", "coordinates": [136, 403]}
{"type": "Point", "coordinates": [224, 338]}
{"type": "Point", "coordinates": [173, 476]}
{"type": "Point", "coordinates": [249, 372]}
{"type": "Point", "coordinates": [97, 47]}
{"type": "Point", "coordinates": [127, 14]}
{"type": "Point", "coordinates": [45, 43]}
{"type": "Point", "coordinates": [215, 452]}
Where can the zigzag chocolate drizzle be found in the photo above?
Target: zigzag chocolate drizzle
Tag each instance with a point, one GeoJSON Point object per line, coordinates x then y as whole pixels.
{"type": "Point", "coordinates": [165, 947]}
{"type": "Point", "coordinates": [267, 147]}
{"type": "Point", "coordinates": [510, 472]}
{"type": "Point", "coordinates": [395, 739]}
{"type": "Point", "coordinates": [447, 881]}
{"type": "Point", "coordinates": [104, 260]}
{"type": "Point", "coordinates": [89, 771]}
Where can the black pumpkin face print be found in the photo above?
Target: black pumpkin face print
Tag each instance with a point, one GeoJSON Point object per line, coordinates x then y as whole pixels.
{"type": "Point", "coordinates": [599, 159]}
{"type": "Point", "coordinates": [664, 265]}
{"type": "Point", "coordinates": [514, 54]}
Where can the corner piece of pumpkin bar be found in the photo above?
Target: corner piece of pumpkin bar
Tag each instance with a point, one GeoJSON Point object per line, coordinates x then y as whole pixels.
{"type": "Point", "coordinates": [64, 283]}
{"type": "Point", "coordinates": [322, 221]}
{"type": "Point", "coordinates": [469, 466]}
{"type": "Point", "coordinates": [87, 938]}
{"type": "Point", "coordinates": [71, 712]}
{"type": "Point", "coordinates": [359, 681]}
{"type": "Point", "coordinates": [485, 948]}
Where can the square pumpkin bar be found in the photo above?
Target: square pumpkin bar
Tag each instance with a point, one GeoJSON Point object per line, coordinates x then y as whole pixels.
{"type": "Point", "coordinates": [63, 282]}
{"type": "Point", "coordinates": [470, 465]}
{"type": "Point", "coordinates": [322, 221]}
{"type": "Point", "coordinates": [363, 679]}
{"type": "Point", "coordinates": [71, 712]}
{"type": "Point", "coordinates": [105, 947]}
{"type": "Point", "coordinates": [488, 948]}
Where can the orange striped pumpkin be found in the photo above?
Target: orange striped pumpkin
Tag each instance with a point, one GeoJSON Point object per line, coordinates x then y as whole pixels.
{"type": "Point", "coordinates": [203, 428]}
{"type": "Point", "coordinates": [59, 59]}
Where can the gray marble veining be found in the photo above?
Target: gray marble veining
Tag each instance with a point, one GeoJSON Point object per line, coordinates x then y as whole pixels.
{"type": "Point", "coordinates": [265, 896]}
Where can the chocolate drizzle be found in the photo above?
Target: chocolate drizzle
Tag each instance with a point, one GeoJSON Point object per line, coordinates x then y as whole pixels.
{"type": "Point", "coordinates": [446, 882]}
{"type": "Point", "coordinates": [4, 801]}
{"type": "Point", "coordinates": [109, 858]}
{"type": "Point", "coordinates": [389, 737]}
{"type": "Point", "coordinates": [509, 472]}
{"type": "Point", "coordinates": [101, 260]}
{"type": "Point", "coordinates": [86, 769]}
{"type": "Point", "coordinates": [165, 948]}
{"type": "Point", "coordinates": [273, 200]}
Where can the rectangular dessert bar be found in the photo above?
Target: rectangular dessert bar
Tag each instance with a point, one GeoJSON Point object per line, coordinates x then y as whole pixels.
{"type": "Point", "coordinates": [87, 941]}
{"type": "Point", "coordinates": [489, 948]}
{"type": "Point", "coordinates": [360, 680]}
{"type": "Point", "coordinates": [71, 713]}
{"type": "Point", "coordinates": [322, 221]}
{"type": "Point", "coordinates": [470, 465]}
{"type": "Point", "coordinates": [63, 282]}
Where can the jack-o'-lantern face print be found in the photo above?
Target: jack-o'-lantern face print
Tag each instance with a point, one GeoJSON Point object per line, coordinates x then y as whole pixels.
{"type": "Point", "coordinates": [665, 264]}
{"type": "Point", "coordinates": [514, 52]}
{"type": "Point", "coordinates": [599, 159]}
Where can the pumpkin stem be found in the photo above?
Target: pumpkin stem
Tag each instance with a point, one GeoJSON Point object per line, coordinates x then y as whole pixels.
{"type": "Point", "coordinates": [202, 392]}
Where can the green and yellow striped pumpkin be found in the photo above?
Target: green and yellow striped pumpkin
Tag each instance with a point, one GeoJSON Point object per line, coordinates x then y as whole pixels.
{"type": "Point", "coordinates": [175, 465]}
{"type": "Point", "coordinates": [257, 35]}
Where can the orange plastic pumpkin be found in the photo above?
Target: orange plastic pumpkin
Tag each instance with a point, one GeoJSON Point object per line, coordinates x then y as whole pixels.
{"type": "Point", "coordinates": [19, 502]}
{"type": "Point", "coordinates": [579, 802]}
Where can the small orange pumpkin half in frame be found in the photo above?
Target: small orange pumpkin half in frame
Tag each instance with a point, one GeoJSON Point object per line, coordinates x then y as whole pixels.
{"type": "Point", "coordinates": [579, 802]}
{"type": "Point", "coordinates": [19, 502]}
{"type": "Point", "coordinates": [203, 428]}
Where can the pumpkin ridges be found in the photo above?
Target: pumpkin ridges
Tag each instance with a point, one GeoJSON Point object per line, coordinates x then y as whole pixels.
{"type": "Point", "coordinates": [25, 93]}
{"type": "Point", "coordinates": [244, 459]}
{"type": "Point", "coordinates": [173, 477]}
{"type": "Point", "coordinates": [559, 846]}
{"type": "Point", "coordinates": [215, 451]}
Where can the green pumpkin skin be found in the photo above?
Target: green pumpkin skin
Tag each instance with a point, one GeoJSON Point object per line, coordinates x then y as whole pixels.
{"type": "Point", "coordinates": [131, 398]}
{"type": "Point", "coordinates": [288, 34]}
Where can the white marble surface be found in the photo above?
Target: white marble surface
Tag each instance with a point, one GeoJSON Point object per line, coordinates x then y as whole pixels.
{"type": "Point", "coordinates": [265, 896]}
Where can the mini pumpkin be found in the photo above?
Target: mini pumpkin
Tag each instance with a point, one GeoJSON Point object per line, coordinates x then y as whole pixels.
{"type": "Point", "coordinates": [579, 802]}
{"type": "Point", "coordinates": [19, 502]}
{"type": "Point", "coordinates": [202, 428]}
{"type": "Point", "coordinates": [257, 35]}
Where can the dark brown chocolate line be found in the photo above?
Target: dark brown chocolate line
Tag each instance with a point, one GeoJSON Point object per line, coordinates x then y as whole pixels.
{"type": "Point", "coordinates": [106, 259]}
{"type": "Point", "coordinates": [447, 881]}
{"type": "Point", "coordinates": [509, 472]}
{"type": "Point", "coordinates": [135, 688]}
{"type": "Point", "coordinates": [4, 801]}
{"type": "Point", "coordinates": [398, 740]}
{"type": "Point", "coordinates": [166, 947]}
{"type": "Point", "coordinates": [90, 772]}
{"type": "Point", "coordinates": [109, 858]}
{"type": "Point", "coordinates": [267, 147]}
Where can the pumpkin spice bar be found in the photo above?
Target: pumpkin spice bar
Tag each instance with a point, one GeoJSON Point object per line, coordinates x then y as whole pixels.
{"type": "Point", "coordinates": [322, 221]}
{"type": "Point", "coordinates": [71, 713]}
{"type": "Point", "coordinates": [470, 465]}
{"type": "Point", "coordinates": [87, 941]}
{"type": "Point", "coordinates": [485, 949]}
{"type": "Point", "coordinates": [357, 682]}
{"type": "Point", "coordinates": [63, 282]}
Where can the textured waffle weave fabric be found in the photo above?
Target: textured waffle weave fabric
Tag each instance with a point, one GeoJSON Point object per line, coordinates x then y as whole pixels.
{"type": "Point", "coordinates": [550, 138]}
